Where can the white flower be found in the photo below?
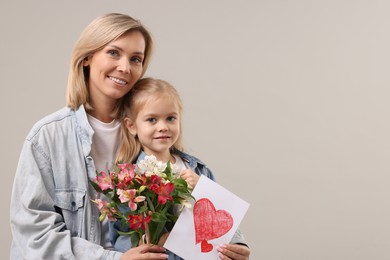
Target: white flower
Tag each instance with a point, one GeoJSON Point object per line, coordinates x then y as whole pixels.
{"type": "Point", "coordinates": [175, 169]}
{"type": "Point", "coordinates": [186, 203]}
{"type": "Point", "coordinates": [150, 165]}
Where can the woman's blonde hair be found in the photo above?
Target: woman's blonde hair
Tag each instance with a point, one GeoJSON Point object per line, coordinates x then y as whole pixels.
{"type": "Point", "coordinates": [144, 91]}
{"type": "Point", "coordinates": [95, 37]}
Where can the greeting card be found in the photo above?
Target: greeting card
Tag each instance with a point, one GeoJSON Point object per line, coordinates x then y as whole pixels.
{"type": "Point", "coordinates": [212, 220]}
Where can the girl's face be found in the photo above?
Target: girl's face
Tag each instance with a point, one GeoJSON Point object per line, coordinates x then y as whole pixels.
{"type": "Point", "coordinates": [157, 126]}
{"type": "Point", "coordinates": [114, 69]}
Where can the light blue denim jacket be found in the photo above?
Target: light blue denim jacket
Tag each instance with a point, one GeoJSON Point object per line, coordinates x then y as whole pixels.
{"type": "Point", "coordinates": [52, 216]}
{"type": "Point", "coordinates": [122, 243]}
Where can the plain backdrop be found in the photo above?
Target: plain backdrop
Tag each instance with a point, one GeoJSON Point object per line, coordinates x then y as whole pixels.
{"type": "Point", "coordinates": [286, 101]}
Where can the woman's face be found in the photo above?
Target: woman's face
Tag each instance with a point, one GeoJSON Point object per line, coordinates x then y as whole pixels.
{"type": "Point", "coordinates": [114, 70]}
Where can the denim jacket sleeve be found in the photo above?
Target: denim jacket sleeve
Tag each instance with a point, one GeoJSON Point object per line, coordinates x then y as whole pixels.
{"type": "Point", "coordinates": [41, 212]}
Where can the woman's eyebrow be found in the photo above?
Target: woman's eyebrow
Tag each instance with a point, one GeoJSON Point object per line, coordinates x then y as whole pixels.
{"type": "Point", "coordinates": [120, 49]}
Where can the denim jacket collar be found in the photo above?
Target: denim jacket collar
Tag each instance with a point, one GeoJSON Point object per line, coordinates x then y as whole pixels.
{"type": "Point", "coordinates": [84, 129]}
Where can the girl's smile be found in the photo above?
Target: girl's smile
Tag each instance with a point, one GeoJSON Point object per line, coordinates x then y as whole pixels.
{"type": "Point", "coordinates": [157, 126]}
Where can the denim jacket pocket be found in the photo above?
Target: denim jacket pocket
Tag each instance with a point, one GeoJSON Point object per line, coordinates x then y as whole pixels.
{"type": "Point", "coordinates": [70, 204]}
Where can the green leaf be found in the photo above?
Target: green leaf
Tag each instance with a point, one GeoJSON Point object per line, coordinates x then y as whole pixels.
{"type": "Point", "coordinates": [168, 170]}
{"type": "Point", "coordinates": [159, 217]}
{"type": "Point", "coordinates": [126, 233]}
{"type": "Point", "coordinates": [143, 208]}
{"type": "Point", "coordinates": [155, 231]}
{"type": "Point", "coordinates": [151, 206]}
{"type": "Point", "coordinates": [135, 239]}
{"type": "Point", "coordinates": [95, 186]}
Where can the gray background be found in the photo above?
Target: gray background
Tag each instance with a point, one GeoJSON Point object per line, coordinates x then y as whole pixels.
{"type": "Point", "coordinates": [287, 102]}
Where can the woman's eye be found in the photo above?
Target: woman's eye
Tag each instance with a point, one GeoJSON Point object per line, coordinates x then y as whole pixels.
{"type": "Point", "coordinates": [114, 53]}
{"type": "Point", "coordinates": [136, 60]}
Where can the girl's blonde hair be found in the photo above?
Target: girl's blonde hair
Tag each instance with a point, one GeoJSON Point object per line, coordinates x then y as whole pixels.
{"type": "Point", "coordinates": [96, 36]}
{"type": "Point", "coordinates": [144, 91]}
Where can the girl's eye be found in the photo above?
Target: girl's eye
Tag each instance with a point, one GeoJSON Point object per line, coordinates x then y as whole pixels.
{"type": "Point", "coordinates": [151, 120]}
{"type": "Point", "coordinates": [171, 118]}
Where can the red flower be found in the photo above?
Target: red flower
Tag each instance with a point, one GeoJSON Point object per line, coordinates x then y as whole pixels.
{"type": "Point", "coordinates": [138, 221]}
{"type": "Point", "coordinates": [142, 179]}
{"type": "Point", "coordinates": [163, 191]}
{"type": "Point", "coordinates": [155, 179]}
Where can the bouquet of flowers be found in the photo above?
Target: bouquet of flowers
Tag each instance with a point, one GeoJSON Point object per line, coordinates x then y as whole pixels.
{"type": "Point", "coordinates": [141, 196]}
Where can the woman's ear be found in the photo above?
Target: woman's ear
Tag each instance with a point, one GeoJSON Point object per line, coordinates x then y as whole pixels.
{"type": "Point", "coordinates": [87, 61]}
{"type": "Point", "coordinates": [130, 126]}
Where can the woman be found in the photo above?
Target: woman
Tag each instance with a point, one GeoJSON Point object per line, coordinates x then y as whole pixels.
{"type": "Point", "coordinates": [52, 216]}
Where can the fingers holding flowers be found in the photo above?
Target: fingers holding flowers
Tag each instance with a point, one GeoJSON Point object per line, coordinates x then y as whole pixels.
{"type": "Point", "coordinates": [145, 251]}
{"type": "Point", "coordinates": [190, 177]}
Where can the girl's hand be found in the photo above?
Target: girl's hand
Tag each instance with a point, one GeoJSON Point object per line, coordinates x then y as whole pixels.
{"type": "Point", "coordinates": [190, 177]}
{"type": "Point", "coordinates": [145, 251]}
{"type": "Point", "coordinates": [233, 251]}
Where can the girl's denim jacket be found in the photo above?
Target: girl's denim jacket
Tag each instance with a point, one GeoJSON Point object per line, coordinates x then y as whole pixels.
{"type": "Point", "coordinates": [52, 215]}
{"type": "Point", "coordinates": [122, 243]}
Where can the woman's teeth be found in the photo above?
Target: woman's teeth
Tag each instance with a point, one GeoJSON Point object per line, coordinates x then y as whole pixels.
{"type": "Point", "coordinates": [119, 81]}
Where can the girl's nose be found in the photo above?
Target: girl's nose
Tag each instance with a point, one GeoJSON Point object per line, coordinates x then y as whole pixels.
{"type": "Point", "coordinates": [162, 127]}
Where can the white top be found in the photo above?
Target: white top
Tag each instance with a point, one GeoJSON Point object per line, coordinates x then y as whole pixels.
{"type": "Point", "coordinates": [105, 145]}
{"type": "Point", "coordinates": [179, 165]}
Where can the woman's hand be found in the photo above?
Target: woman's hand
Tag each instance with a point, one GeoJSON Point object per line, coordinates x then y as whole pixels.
{"type": "Point", "coordinates": [190, 177]}
{"type": "Point", "coordinates": [145, 251]}
{"type": "Point", "coordinates": [233, 251]}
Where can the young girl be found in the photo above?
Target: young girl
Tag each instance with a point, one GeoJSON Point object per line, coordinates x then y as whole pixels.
{"type": "Point", "coordinates": [151, 125]}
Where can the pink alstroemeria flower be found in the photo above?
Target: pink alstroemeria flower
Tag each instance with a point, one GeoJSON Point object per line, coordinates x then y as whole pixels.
{"type": "Point", "coordinates": [130, 196]}
{"type": "Point", "coordinates": [163, 191]}
{"type": "Point", "coordinates": [126, 171]}
{"type": "Point", "coordinates": [105, 210]}
{"type": "Point", "coordinates": [104, 181]}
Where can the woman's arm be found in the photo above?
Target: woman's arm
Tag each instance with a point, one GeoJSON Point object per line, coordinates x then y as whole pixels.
{"type": "Point", "coordinates": [38, 227]}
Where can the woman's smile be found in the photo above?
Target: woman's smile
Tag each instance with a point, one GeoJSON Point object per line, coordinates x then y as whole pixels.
{"type": "Point", "coordinates": [118, 80]}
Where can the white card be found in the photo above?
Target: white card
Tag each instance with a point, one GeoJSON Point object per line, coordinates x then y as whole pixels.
{"type": "Point", "coordinates": [212, 221]}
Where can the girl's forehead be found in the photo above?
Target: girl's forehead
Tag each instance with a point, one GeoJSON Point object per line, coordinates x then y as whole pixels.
{"type": "Point", "coordinates": [161, 98]}
{"type": "Point", "coordinates": [160, 104]}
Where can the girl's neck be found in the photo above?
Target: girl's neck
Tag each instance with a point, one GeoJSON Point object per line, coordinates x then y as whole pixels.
{"type": "Point", "coordinates": [165, 157]}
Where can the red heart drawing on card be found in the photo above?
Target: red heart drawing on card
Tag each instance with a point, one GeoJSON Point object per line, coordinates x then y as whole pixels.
{"type": "Point", "coordinates": [209, 222]}
{"type": "Point", "coordinates": [206, 247]}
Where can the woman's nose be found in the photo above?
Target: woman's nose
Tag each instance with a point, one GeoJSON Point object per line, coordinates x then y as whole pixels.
{"type": "Point", "coordinates": [124, 66]}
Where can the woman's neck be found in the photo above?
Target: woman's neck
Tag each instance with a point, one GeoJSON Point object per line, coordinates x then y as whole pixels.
{"type": "Point", "coordinates": [102, 112]}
